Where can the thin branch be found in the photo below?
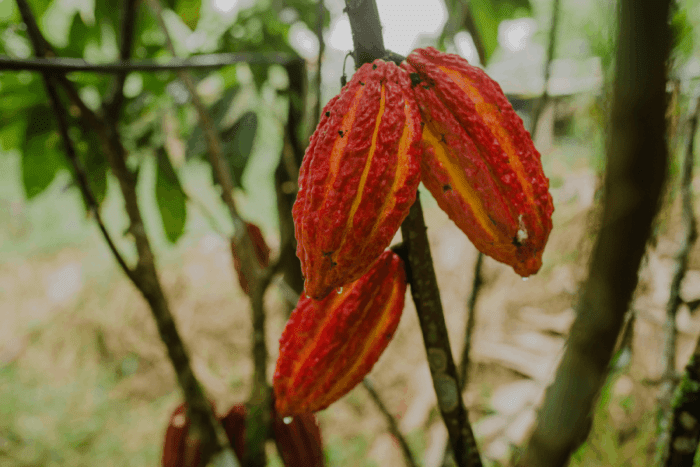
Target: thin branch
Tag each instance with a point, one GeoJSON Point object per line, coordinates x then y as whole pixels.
{"type": "Point", "coordinates": [635, 173]}
{"type": "Point", "coordinates": [78, 170]}
{"type": "Point", "coordinates": [426, 297]}
{"type": "Point", "coordinates": [145, 278]}
{"type": "Point", "coordinates": [201, 62]}
{"type": "Point", "coordinates": [470, 26]}
{"type": "Point", "coordinates": [690, 234]}
{"type": "Point", "coordinates": [321, 47]}
{"type": "Point", "coordinates": [258, 418]}
{"type": "Point", "coordinates": [542, 101]}
{"type": "Point", "coordinates": [683, 435]}
{"type": "Point", "coordinates": [391, 421]}
{"type": "Point", "coordinates": [114, 104]}
{"type": "Point", "coordinates": [463, 372]}
{"type": "Point", "coordinates": [366, 30]}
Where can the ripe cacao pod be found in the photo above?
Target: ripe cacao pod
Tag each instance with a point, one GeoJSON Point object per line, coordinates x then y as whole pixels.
{"type": "Point", "coordinates": [329, 345]}
{"type": "Point", "coordinates": [298, 441]}
{"type": "Point", "coordinates": [358, 178]}
{"type": "Point", "coordinates": [261, 250]}
{"type": "Point", "coordinates": [479, 162]}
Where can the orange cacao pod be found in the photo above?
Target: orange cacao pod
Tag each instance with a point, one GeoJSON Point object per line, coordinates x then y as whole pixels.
{"type": "Point", "coordinates": [479, 162]}
{"type": "Point", "coordinates": [261, 250]}
{"type": "Point", "coordinates": [358, 178]}
{"type": "Point", "coordinates": [298, 442]}
{"type": "Point", "coordinates": [329, 345]}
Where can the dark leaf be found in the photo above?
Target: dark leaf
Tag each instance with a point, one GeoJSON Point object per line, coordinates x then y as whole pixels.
{"type": "Point", "coordinates": [170, 197]}
{"type": "Point", "coordinates": [238, 142]}
{"type": "Point", "coordinates": [41, 152]}
{"type": "Point", "coordinates": [95, 167]}
{"type": "Point", "coordinates": [197, 145]}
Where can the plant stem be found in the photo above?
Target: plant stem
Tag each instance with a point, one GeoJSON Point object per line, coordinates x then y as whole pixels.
{"type": "Point", "coordinates": [391, 421]}
{"type": "Point", "coordinates": [635, 174]}
{"type": "Point", "coordinates": [201, 62]}
{"type": "Point", "coordinates": [144, 275]}
{"type": "Point", "coordinates": [426, 296]}
{"type": "Point", "coordinates": [682, 424]}
{"type": "Point", "coordinates": [542, 101]}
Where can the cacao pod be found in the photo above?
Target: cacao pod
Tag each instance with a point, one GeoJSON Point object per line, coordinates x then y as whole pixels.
{"type": "Point", "coordinates": [358, 178]}
{"type": "Point", "coordinates": [298, 441]}
{"type": "Point", "coordinates": [329, 345]}
{"type": "Point", "coordinates": [261, 250]}
{"type": "Point", "coordinates": [479, 162]}
{"type": "Point", "coordinates": [180, 449]}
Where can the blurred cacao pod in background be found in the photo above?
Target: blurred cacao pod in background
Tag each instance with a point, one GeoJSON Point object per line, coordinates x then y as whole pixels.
{"type": "Point", "coordinates": [262, 254]}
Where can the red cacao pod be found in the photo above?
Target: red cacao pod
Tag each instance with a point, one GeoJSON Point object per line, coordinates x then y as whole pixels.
{"type": "Point", "coordinates": [179, 448]}
{"type": "Point", "coordinates": [479, 162]}
{"type": "Point", "coordinates": [358, 178]}
{"type": "Point", "coordinates": [298, 441]}
{"type": "Point", "coordinates": [261, 250]}
{"type": "Point", "coordinates": [329, 345]}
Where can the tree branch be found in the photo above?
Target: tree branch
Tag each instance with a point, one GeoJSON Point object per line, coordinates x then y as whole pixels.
{"type": "Point", "coordinates": [542, 101]}
{"type": "Point", "coordinates": [201, 62]}
{"type": "Point", "coordinates": [686, 403]}
{"type": "Point", "coordinates": [366, 30]}
{"type": "Point", "coordinates": [391, 421]}
{"type": "Point", "coordinates": [258, 417]}
{"type": "Point", "coordinates": [145, 278]}
{"type": "Point", "coordinates": [114, 104]}
{"type": "Point", "coordinates": [635, 173]}
{"type": "Point", "coordinates": [426, 296]}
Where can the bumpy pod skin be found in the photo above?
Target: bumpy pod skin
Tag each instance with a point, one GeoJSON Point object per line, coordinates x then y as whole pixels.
{"type": "Point", "coordinates": [358, 178]}
{"type": "Point", "coordinates": [298, 442]}
{"type": "Point", "coordinates": [329, 345]}
{"type": "Point", "coordinates": [478, 160]}
{"type": "Point", "coordinates": [261, 250]}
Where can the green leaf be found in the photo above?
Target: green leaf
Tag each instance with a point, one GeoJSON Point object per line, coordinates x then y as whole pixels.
{"type": "Point", "coordinates": [487, 15]}
{"type": "Point", "coordinates": [78, 37]}
{"type": "Point", "coordinates": [170, 197]}
{"type": "Point", "coordinates": [238, 143]}
{"type": "Point", "coordinates": [95, 166]}
{"type": "Point", "coordinates": [188, 10]}
{"type": "Point", "coordinates": [41, 156]}
{"type": "Point", "coordinates": [196, 145]}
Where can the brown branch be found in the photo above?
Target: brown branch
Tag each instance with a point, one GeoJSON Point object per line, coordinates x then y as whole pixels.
{"type": "Point", "coordinates": [258, 417]}
{"type": "Point", "coordinates": [635, 173]}
{"type": "Point", "coordinates": [426, 296]}
{"type": "Point", "coordinates": [391, 421]}
{"type": "Point", "coordinates": [681, 435]}
{"type": "Point", "coordinates": [201, 62]}
{"type": "Point", "coordinates": [542, 101]}
{"type": "Point", "coordinates": [689, 232]}
{"type": "Point", "coordinates": [114, 104]}
{"type": "Point", "coordinates": [366, 30]}
{"type": "Point", "coordinates": [144, 275]}
{"type": "Point", "coordinates": [78, 170]}
{"type": "Point", "coordinates": [463, 372]}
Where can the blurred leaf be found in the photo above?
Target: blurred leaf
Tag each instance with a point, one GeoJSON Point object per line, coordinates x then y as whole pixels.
{"type": "Point", "coordinates": [259, 74]}
{"type": "Point", "coordinates": [188, 10]}
{"type": "Point", "coordinates": [487, 15]}
{"type": "Point", "coordinates": [38, 7]}
{"type": "Point", "coordinates": [9, 14]}
{"type": "Point", "coordinates": [170, 197]}
{"type": "Point", "coordinates": [78, 37]}
{"type": "Point", "coordinates": [681, 32]}
{"type": "Point", "coordinates": [197, 145]}
{"type": "Point", "coordinates": [41, 157]}
{"type": "Point", "coordinates": [238, 143]}
{"type": "Point", "coordinates": [95, 166]}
